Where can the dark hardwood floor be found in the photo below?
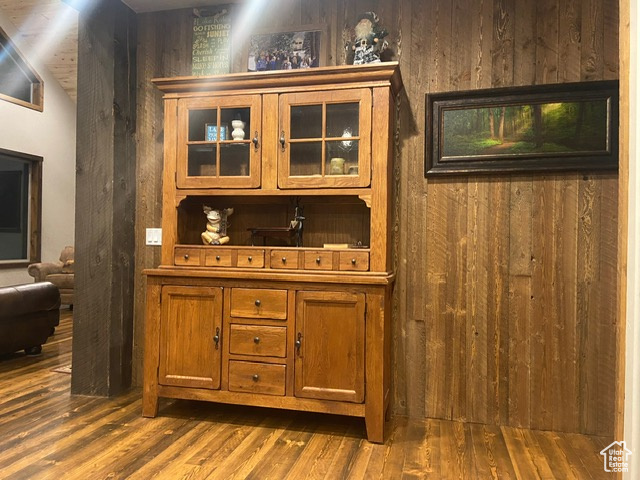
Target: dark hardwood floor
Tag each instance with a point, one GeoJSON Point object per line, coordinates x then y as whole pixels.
{"type": "Point", "coordinates": [46, 433]}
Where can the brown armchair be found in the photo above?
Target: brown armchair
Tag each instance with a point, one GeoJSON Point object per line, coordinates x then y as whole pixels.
{"type": "Point", "coordinates": [59, 273]}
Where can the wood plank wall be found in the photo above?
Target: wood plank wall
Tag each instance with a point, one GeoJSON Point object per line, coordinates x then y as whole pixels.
{"type": "Point", "coordinates": [505, 303]}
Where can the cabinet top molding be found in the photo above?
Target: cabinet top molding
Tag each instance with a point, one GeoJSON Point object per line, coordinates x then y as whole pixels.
{"type": "Point", "coordinates": [377, 74]}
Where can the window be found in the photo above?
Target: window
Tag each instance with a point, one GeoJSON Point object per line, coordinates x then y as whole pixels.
{"type": "Point", "coordinates": [20, 207]}
{"type": "Point", "coordinates": [19, 83]}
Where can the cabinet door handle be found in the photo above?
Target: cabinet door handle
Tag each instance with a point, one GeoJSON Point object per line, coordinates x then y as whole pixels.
{"type": "Point", "coordinates": [299, 342]}
{"type": "Point", "coordinates": [256, 377]}
{"type": "Point", "coordinates": [256, 339]}
{"type": "Point", "coordinates": [318, 260]}
{"type": "Point", "coordinates": [255, 139]}
{"type": "Point", "coordinates": [353, 261]}
{"type": "Point", "coordinates": [282, 140]}
{"type": "Point", "coordinates": [218, 258]}
{"type": "Point", "coordinates": [258, 303]}
{"type": "Point", "coordinates": [284, 259]}
{"type": "Point", "coordinates": [250, 258]}
{"type": "Point", "coordinates": [186, 256]}
{"type": "Point", "coordinates": [216, 337]}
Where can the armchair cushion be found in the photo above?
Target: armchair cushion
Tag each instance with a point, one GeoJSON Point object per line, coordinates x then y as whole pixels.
{"type": "Point", "coordinates": [40, 271]}
{"type": "Point", "coordinates": [60, 273]}
{"type": "Point", "coordinates": [64, 281]}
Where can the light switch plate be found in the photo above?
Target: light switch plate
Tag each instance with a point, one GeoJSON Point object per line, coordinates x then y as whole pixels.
{"type": "Point", "coordinates": [154, 236]}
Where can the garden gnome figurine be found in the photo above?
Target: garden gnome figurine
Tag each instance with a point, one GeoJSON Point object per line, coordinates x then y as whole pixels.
{"type": "Point", "coordinates": [369, 39]}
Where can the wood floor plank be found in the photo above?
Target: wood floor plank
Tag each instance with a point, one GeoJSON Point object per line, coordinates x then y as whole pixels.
{"type": "Point", "coordinates": [151, 452]}
{"type": "Point", "coordinates": [240, 449]}
{"type": "Point", "coordinates": [315, 448]}
{"type": "Point", "coordinates": [588, 448]}
{"type": "Point", "coordinates": [96, 461]}
{"type": "Point", "coordinates": [490, 452]}
{"type": "Point", "coordinates": [342, 463]}
{"type": "Point", "coordinates": [379, 466]}
{"type": "Point", "coordinates": [64, 441]}
{"type": "Point", "coordinates": [453, 451]}
{"type": "Point", "coordinates": [418, 459]}
{"type": "Point", "coordinates": [575, 463]}
{"type": "Point", "coordinates": [284, 454]}
{"type": "Point", "coordinates": [526, 455]}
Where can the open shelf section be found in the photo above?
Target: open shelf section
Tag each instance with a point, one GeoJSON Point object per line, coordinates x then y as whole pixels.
{"type": "Point", "coordinates": [338, 220]}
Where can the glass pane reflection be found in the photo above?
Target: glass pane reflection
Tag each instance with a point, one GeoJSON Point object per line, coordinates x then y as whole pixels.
{"type": "Point", "coordinates": [306, 159]}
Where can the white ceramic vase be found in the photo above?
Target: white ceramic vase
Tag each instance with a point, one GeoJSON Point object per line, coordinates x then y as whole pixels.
{"type": "Point", "coordinates": [238, 132]}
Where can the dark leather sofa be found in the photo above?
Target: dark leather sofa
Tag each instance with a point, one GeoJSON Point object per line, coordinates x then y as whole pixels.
{"type": "Point", "coordinates": [28, 315]}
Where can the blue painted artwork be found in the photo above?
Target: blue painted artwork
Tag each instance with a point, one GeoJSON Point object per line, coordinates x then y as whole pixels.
{"type": "Point", "coordinates": [212, 132]}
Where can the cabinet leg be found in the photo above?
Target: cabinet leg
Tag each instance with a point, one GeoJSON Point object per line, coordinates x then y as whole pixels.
{"type": "Point", "coordinates": [375, 427]}
{"type": "Point", "coordinates": [149, 405]}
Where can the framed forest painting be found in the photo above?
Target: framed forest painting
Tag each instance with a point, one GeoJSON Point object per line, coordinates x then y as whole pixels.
{"type": "Point", "coordinates": [570, 126]}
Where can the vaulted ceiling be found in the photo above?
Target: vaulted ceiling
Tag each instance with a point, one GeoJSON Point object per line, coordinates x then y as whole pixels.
{"type": "Point", "coordinates": [50, 28]}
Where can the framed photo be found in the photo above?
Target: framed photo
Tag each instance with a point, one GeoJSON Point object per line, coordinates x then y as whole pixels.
{"type": "Point", "coordinates": [569, 126]}
{"type": "Point", "coordinates": [286, 50]}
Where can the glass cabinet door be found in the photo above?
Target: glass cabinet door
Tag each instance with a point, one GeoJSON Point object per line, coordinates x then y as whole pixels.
{"type": "Point", "coordinates": [325, 139]}
{"type": "Point", "coordinates": [219, 142]}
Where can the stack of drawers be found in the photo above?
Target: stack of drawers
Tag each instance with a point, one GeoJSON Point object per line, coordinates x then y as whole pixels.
{"type": "Point", "coordinates": [257, 334]}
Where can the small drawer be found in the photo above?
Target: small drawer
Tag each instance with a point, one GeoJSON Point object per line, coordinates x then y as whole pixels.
{"type": "Point", "coordinates": [259, 303]}
{"type": "Point", "coordinates": [187, 257]}
{"type": "Point", "coordinates": [284, 259]}
{"type": "Point", "coordinates": [251, 258]}
{"type": "Point", "coordinates": [253, 377]}
{"type": "Point", "coordinates": [258, 340]}
{"type": "Point", "coordinates": [217, 258]}
{"type": "Point", "coordinates": [318, 260]}
{"type": "Point", "coordinates": [358, 261]}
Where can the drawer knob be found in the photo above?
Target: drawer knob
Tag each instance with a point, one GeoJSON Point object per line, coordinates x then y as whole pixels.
{"type": "Point", "coordinates": [186, 256]}
{"type": "Point", "coordinates": [318, 260]}
{"type": "Point", "coordinates": [218, 258]}
{"type": "Point", "coordinates": [256, 377]}
{"type": "Point", "coordinates": [284, 259]}
{"type": "Point", "coordinates": [258, 303]}
{"type": "Point", "coordinates": [250, 258]}
{"type": "Point", "coordinates": [353, 261]}
{"type": "Point", "coordinates": [256, 339]}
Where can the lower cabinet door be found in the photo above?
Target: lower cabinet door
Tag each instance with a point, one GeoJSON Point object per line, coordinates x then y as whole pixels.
{"type": "Point", "coordinates": [330, 340]}
{"type": "Point", "coordinates": [190, 337]}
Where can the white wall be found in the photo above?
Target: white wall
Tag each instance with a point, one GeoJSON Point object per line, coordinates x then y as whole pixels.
{"type": "Point", "coordinates": [50, 134]}
{"type": "Point", "coordinates": [632, 371]}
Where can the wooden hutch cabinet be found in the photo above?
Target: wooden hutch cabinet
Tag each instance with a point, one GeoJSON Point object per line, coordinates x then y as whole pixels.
{"type": "Point", "coordinates": [284, 317]}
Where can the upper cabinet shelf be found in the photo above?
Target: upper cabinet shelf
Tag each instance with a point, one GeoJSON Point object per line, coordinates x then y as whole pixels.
{"type": "Point", "coordinates": [211, 153]}
{"type": "Point", "coordinates": [302, 129]}
{"type": "Point", "coordinates": [325, 139]}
